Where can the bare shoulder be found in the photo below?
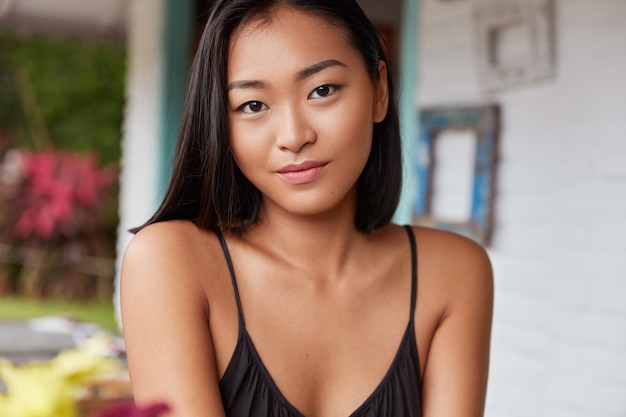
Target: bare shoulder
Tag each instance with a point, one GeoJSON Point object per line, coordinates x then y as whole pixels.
{"type": "Point", "coordinates": [165, 287]}
{"type": "Point", "coordinates": [455, 310]}
{"type": "Point", "coordinates": [457, 265]}
{"type": "Point", "coordinates": [164, 237]}
{"type": "Point", "coordinates": [452, 252]}
{"type": "Point", "coordinates": [167, 257]}
{"type": "Point", "coordinates": [170, 243]}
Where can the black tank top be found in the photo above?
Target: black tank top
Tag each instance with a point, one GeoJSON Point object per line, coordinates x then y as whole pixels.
{"type": "Point", "coordinates": [248, 389]}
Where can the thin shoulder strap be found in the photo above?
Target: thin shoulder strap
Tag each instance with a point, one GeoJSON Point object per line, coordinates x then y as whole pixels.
{"type": "Point", "coordinates": [232, 274]}
{"type": "Point", "coordinates": [409, 231]}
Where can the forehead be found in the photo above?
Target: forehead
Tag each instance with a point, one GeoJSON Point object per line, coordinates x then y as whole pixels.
{"type": "Point", "coordinates": [285, 36]}
{"type": "Point", "coordinates": [286, 14]}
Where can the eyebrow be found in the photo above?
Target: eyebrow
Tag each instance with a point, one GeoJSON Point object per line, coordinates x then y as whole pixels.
{"type": "Point", "coordinates": [315, 68]}
{"type": "Point", "coordinates": [301, 75]}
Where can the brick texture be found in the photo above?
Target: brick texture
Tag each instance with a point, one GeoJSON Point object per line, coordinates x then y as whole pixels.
{"type": "Point", "coordinates": [559, 243]}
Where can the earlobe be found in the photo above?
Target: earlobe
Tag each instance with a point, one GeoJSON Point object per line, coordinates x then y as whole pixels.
{"type": "Point", "coordinates": [381, 103]}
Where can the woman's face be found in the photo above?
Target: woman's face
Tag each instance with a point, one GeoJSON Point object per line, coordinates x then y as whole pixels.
{"type": "Point", "coordinates": [302, 109]}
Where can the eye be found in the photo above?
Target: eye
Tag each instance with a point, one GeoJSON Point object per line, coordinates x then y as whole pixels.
{"type": "Point", "coordinates": [252, 107]}
{"type": "Point", "coordinates": [323, 91]}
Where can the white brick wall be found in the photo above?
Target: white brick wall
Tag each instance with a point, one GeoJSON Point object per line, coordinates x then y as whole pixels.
{"type": "Point", "coordinates": [559, 244]}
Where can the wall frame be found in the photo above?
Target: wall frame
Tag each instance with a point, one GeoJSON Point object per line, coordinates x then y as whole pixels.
{"type": "Point", "coordinates": [483, 121]}
{"type": "Point", "coordinates": [515, 40]}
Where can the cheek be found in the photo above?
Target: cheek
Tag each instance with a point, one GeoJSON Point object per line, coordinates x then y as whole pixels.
{"type": "Point", "coordinates": [357, 114]}
{"type": "Point", "coordinates": [246, 146]}
{"type": "Point", "coordinates": [234, 143]}
{"type": "Point", "coordinates": [351, 129]}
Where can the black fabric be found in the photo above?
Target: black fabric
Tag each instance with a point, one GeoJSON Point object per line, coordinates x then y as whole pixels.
{"type": "Point", "coordinates": [248, 389]}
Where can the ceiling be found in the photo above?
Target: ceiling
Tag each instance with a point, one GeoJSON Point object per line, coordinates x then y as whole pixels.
{"type": "Point", "coordinates": [87, 19]}
{"type": "Point", "coordinates": [106, 19]}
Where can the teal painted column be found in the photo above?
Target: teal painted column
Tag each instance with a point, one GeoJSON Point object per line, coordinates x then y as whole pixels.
{"type": "Point", "coordinates": [178, 28]}
{"type": "Point", "coordinates": [408, 108]}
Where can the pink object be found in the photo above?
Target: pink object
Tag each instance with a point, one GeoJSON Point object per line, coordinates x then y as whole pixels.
{"type": "Point", "coordinates": [56, 193]}
{"type": "Point", "coordinates": [302, 173]}
{"type": "Point", "coordinates": [129, 409]}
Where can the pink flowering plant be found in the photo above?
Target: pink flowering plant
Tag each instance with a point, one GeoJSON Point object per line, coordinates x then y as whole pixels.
{"type": "Point", "coordinates": [129, 409]}
{"type": "Point", "coordinates": [53, 200]}
{"type": "Point", "coordinates": [54, 194]}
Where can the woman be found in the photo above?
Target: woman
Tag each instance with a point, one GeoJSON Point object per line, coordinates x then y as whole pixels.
{"type": "Point", "coordinates": [270, 282]}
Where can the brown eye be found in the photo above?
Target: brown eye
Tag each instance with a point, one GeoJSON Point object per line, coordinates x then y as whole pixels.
{"type": "Point", "coordinates": [323, 91]}
{"type": "Point", "coordinates": [252, 107]}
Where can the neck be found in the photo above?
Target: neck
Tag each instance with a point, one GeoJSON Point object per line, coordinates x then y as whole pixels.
{"type": "Point", "coordinates": [322, 245]}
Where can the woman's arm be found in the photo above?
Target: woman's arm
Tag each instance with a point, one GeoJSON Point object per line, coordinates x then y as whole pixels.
{"type": "Point", "coordinates": [165, 319]}
{"type": "Point", "coordinates": [455, 374]}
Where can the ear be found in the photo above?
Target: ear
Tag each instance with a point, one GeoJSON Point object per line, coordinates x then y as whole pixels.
{"type": "Point", "coordinates": [381, 93]}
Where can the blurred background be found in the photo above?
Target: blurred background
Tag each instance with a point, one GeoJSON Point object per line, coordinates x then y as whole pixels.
{"type": "Point", "coordinates": [62, 83]}
{"type": "Point", "coordinates": [513, 117]}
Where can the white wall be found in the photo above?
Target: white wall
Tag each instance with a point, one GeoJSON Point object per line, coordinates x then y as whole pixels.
{"type": "Point", "coordinates": [559, 243]}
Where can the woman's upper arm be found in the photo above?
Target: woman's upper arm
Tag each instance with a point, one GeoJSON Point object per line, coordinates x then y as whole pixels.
{"type": "Point", "coordinates": [455, 375]}
{"type": "Point", "coordinates": [165, 321]}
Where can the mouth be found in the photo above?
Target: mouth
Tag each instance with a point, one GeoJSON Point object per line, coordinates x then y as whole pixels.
{"type": "Point", "coordinates": [301, 167]}
{"type": "Point", "coordinates": [302, 173]}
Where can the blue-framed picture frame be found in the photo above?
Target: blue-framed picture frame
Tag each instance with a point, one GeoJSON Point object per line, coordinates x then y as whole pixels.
{"type": "Point", "coordinates": [483, 121]}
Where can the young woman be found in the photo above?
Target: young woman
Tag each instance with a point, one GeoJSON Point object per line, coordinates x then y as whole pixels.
{"type": "Point", "coordinates": [270, 282]}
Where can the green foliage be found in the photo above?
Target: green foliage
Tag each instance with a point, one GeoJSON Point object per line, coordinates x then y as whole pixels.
{"type": "Point", "coordinates": [62, 93]}
{"type": "Point", "coordinates": [66, 95]}
{"type": "Point", "coordinates": [99, 312]}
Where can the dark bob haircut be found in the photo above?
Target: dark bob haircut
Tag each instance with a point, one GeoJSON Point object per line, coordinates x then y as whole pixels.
{"type": "Point", "coordinates": [206, 186]}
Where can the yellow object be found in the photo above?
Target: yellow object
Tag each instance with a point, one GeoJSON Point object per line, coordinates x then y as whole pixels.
{"type": "Point", "coordinates": [48, 389]}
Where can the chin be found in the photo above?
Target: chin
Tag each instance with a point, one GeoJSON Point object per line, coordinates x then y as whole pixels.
{"type": "Point", "coordinates": [313, 206]}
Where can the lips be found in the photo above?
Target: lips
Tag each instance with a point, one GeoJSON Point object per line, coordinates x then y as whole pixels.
{"type": "Point", "coordinates": [302, 173]}
{"type": "Point", "coordinates": [300, 167]}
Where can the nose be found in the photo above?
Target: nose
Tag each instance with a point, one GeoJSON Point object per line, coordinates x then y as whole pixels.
{"type": "Point", "coordinates": [294, 130]}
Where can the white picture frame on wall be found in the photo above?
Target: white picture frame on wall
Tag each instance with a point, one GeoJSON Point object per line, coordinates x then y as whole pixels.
{"type": "Point", "coordinates": [515, 42]}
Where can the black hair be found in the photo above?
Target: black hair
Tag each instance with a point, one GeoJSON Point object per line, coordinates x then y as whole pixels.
{"type": "Point", "coordinates": [207, 186]}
